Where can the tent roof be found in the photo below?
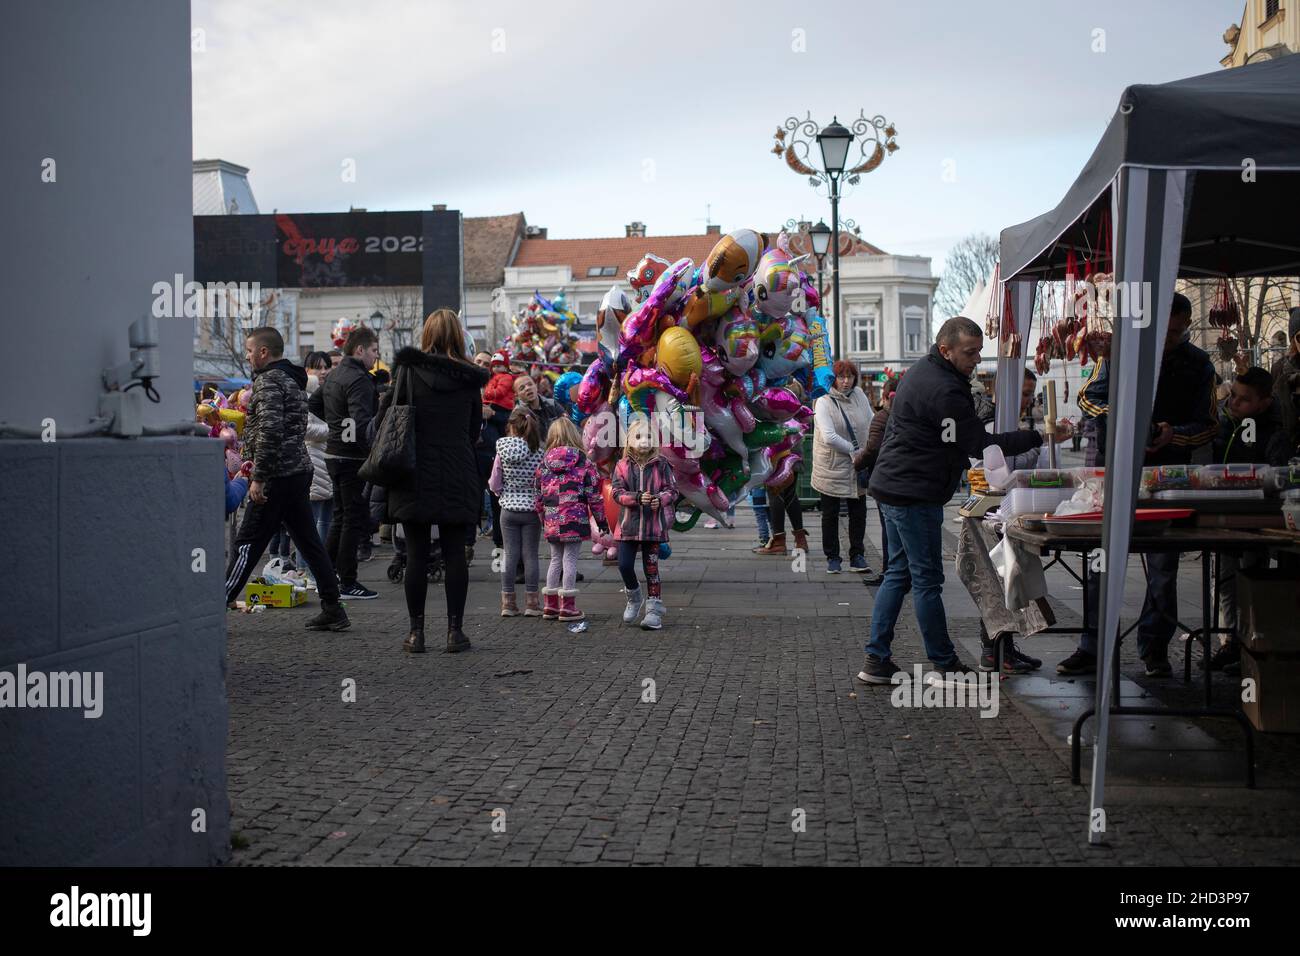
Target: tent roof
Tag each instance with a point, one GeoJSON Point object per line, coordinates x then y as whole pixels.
{"type": "Point", "coordinates": [1211, 124]}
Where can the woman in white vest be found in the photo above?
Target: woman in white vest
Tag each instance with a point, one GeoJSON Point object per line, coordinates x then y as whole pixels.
{"type": "Point", "coordinates": [842, 420]}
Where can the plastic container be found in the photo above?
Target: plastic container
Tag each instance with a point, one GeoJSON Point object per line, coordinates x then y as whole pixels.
{"type": "Point", "coordinates": [1041, 478]}
{"type": "Point", "coordinates": [1229, 477]}
{"type": "Point", "coordinates": [1020, 501]}
{"type": "Point", "coordinates": [1291, 510]}
{"type": "Point", "coordinates": [1283, 478]}
{"type": "Point", "coordinates": [1168, 477]}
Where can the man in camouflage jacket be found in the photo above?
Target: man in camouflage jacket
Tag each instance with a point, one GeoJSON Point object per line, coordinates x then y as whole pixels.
{"type": "Point", "coordinates": [279, 493]}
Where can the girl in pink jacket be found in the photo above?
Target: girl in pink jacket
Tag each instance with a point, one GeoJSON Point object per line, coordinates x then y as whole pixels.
{"type": "Point", "coordinates": [646, 490]}
{"type": "Point", "coordinates": [568, 497]}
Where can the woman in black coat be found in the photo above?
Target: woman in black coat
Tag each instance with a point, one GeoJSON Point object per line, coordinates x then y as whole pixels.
{"type": "Point", "coordinates": [444, 388]}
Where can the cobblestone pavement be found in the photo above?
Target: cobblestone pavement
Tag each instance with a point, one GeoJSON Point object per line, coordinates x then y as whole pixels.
{"type": "Point", "coordinates": [755, 727]}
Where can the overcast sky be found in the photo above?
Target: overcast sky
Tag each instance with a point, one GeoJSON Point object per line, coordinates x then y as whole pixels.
{"type": "Point", "coordinates": [586, 118]}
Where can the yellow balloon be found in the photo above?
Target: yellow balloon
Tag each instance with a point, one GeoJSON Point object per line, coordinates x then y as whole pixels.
{"type": "Point", "coordinates": [678, 356]}
{"type": "Point", "coordinates": [233, 416]}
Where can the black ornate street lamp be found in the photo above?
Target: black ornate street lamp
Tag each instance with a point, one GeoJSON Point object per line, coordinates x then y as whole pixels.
{"type": "Point", "coordinates": [820, 236]}
{"type": "Point", "coordinates": [805, 239]}
{"type": "Point", "coordinates": [834, 141]}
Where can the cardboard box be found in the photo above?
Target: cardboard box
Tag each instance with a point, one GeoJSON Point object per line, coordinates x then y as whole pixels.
{"type": "Point", "coordinates": [274, 595]}
{"type": "Point", "coordinates": [1268, 611]}
{"type": "Point", "coordinates": [1276, 691]}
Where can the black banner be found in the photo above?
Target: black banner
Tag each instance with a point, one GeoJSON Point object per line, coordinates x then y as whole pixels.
{"type": "Point", "coordinates": [335, 250]}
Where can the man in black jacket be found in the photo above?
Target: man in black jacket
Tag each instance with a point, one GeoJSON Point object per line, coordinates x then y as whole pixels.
{"type": "Point", "coordinates": [1184, 417]}
{"type": "Point", "coordinates": [932, 434]}
{"type": "Point", "coordinates": [346, 402]}
{"type": "Point", "coordinates": [280, 492]}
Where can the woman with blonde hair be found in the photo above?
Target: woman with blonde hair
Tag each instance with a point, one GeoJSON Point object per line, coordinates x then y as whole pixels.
{"type": "Point", "coordinates": [568, 497]}
{"type": "Point", "coordinates": [442, 385]}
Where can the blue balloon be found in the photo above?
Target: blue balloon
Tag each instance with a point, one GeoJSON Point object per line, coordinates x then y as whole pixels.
{"type": "Point", "coordinates": [563, 385]}
{"type": "Point", "coordinates": [823, 379]}
{"type": "Point", "coordinates": [665, 552]}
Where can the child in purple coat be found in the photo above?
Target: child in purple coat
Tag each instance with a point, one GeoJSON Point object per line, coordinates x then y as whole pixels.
{"type": "Point", "coordinates": [568, 497]}
{"type": "Point", "coordinates": [646, 490]}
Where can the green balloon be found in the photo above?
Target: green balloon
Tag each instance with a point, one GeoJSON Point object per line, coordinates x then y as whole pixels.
{"type": "Point", "coordinates": [764, 434]}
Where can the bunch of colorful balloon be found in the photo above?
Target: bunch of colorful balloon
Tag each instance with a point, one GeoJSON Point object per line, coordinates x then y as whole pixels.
{"type": "Point", "coordinates": [543, 333]}
{"type": "Point", "coordinates": [720, 357]}
{"type": "Point", "coordinates": [224, 416]}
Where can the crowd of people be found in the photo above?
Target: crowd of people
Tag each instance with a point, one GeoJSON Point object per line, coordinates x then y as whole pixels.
{"type": "Point", "coordinates": [489, 447]}
{"type": "Point", "coordinates": [494, 448]}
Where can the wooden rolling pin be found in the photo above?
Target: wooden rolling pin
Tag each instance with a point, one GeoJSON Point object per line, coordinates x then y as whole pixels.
{"type": "Point", "coordinates": [1049, 423]}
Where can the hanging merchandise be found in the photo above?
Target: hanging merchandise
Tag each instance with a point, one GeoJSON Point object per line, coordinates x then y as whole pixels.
{"type": "Point", "coordinates": [993, 315]}
{"type": "Point", "coordinates": [1225, 315]}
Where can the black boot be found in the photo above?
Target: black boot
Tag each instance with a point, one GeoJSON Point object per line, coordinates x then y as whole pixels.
{"type": "Point", "coordinates": [456, 639]}
{"type": "Point", "coordinates": [332, 617]}
{"type": "Point", "coordinates": [414, 643]}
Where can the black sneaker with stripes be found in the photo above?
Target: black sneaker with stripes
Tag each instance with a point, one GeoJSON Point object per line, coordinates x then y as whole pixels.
{"type": "Point", "coordinates": [357, 592]}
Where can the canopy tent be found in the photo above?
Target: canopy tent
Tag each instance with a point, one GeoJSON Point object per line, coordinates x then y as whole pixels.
{"type": "Point", "coordinates": [1201, 178]}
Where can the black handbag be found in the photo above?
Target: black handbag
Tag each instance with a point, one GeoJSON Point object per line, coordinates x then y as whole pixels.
{"type": "Point", "coordinates": [392, 462]}
{"type": "Point", "coordinates": [863, 474]}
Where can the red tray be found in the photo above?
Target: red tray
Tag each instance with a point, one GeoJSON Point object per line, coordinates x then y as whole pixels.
{"type": "Point", "coordinates": [1142, 514]}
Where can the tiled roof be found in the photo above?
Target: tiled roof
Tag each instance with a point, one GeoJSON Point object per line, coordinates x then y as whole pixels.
{"type": "Point", "coordinates": [489, 243]}
{"type": "Point", "coordinates": [623, 253]}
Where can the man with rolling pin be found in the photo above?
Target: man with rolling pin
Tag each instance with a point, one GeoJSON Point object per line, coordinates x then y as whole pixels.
{"type": "Point", "coordinates": [1184, 417]}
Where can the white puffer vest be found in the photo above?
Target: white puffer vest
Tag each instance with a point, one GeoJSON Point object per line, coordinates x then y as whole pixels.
{"type": "Point", "coordinates": [518, 473]}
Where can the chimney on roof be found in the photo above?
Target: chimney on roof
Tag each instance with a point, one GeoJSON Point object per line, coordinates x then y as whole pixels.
{"type": "Point", "coordinates": [713, 229]}
{"type": "Point", "coordinates": [535, 232]}
{"type": "Point", "coordinates": [440, 207]}
{"type": "Point", "coordinates": [635, 230]}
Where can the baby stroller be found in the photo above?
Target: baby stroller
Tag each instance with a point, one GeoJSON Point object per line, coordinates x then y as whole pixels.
{"type": "Point", "coordinates": [397, 567]}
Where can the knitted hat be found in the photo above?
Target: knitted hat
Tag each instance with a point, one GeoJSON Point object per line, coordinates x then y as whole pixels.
{"type": "Point", "coordinates": [499, 358]}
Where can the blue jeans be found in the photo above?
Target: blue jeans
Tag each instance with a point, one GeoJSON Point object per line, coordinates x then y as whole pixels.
{"type": "Point", "coordinates": [321, 512]}
{"type": "Point", "coordinates": [915, 551]}
{"type": "Point", "coordinates": [1159, 617]}
{"type": "Point", "coordinates": [758, 497]}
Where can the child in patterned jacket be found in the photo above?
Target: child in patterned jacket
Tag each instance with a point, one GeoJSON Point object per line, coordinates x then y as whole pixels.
{"type": "Point", "coordinates": [646, 490]}
{"type": "Point", "coordinates": [568, 497]}
{"type": "Point", "coordinates": [514, 481]}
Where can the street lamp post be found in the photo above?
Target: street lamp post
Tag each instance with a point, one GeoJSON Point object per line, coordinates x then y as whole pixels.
{"type": "Point", "coordinates": [377, 323]}
{"type": "Point", "coordinates": [793, 143]}
{"type": "Point", "coordinates": [820, 235]}
{"type": "Point", "coordinates": [834, 141]}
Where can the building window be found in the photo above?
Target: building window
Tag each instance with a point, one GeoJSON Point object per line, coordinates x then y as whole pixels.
{"type": "Point", "coordinates": [914, 329]}
{"type": "Point", "coordinates": [864, 328]}
{"type": "Point", "coordinates": [1270, 8]}
{"type": "Point", "coordinates": [596, 272]}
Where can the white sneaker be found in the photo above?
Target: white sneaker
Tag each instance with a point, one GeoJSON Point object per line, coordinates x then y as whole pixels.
{"type": "Point", "coordinates": [634, 605]}
{"type": "Point", "coordinates": [654, 615]}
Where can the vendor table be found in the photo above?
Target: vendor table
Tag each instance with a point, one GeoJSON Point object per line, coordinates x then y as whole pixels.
{"type": "Point", "coordinates": [1208, 541]}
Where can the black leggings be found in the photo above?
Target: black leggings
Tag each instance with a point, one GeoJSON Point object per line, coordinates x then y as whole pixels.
{"type": "Point", "coordinates": [649, 551]}
{"type": "Point", "coordinates": [452, 537]}
{"type": "Point", "coordinates": [786, 502]}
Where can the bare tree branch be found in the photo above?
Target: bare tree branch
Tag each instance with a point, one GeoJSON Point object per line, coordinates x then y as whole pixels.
{"type": "Point", "coordinates": [401, 308]}
{"type": "Point", "coordinates": [968, 263]}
